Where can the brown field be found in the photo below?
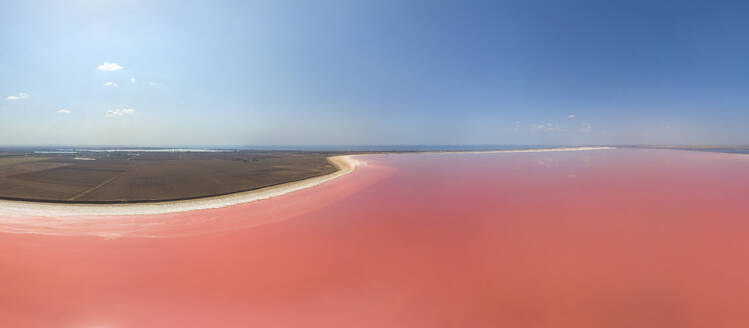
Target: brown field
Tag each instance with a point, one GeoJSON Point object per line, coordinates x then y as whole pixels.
{"type": "Point", "coordinates": [146, 176]}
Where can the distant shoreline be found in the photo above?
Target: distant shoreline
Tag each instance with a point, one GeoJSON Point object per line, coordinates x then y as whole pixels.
{"type": "Point", "coordinates": [711, 149]}
{"type": "Point", "coordinates": [344, 164]}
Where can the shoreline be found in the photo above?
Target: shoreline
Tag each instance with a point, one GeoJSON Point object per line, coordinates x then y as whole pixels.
{"type": "Point", "coordinates": [14, 208]}
{"type": "Point", "coordinates": [345, 164]}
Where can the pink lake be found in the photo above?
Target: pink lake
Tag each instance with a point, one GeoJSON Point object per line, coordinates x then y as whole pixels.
{"type": "Point", "coordinates": [603, 238]}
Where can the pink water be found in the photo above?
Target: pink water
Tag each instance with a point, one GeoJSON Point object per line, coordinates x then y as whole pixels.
{"type": "Point", "coordinates": [610, 238]}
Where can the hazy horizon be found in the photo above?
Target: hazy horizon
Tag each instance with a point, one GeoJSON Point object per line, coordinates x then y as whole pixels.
{"type": "Point", "coordinates": [154, 73]}
{"type": "Point", "coordinates": [353, 147]}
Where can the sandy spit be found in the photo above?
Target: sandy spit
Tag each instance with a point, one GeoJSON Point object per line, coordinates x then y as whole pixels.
{"type": "Point", "coordinates": [345, 165]}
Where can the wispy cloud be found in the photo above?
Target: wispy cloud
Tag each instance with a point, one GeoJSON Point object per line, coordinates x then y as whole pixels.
{"type": "Point", "coordinates": [111, 84]}
{"type": "Point", "coordinates": [119, 112]}
{"type": "Point", "coordinates": [586, 128]}
{"type": "Point", "coordinates": [132, 80]}
{"type": "Point", "coordinates": [110, 67]}
{"type": "Point", "coordinates": [63, 111]}
{"type": "Point", "coordinates": [571, 116]}
{"type": "Point", "coordinates": [154, 84]}
{"type": "Point", "coordinates": [20, 96]}
{"type": "Point", "coordinates": [545, 127]}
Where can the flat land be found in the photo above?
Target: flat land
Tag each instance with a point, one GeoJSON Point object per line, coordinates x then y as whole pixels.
{"type": "Point", "coordinates": [120, 177]}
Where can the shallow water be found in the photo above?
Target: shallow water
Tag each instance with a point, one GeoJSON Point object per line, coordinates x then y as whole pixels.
{"type": "Point", "coordinates": [610, 238]}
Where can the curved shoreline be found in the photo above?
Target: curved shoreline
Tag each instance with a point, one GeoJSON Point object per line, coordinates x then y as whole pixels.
{"type": "Point", "coordinates": [344, 163]}
{"type": "Point", "coordinates": [330, 160]}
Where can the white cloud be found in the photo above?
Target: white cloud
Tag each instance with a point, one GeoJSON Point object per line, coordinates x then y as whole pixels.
{"type": "Point", "coordinates": [119, 112]}
{"type": "Point", "coordinates": [571, 116]}
{"type": "Point", "coordinates": [132, 80]}
{"type": "Point", "coordinates": [545, 127]}
{"type": "Point", "coordinates": [63, 111]}
{"type": "Point", "coordinates": [586, 128]}
{"type": "Point", "coordinates": [111, 84]}
{"type": "Point", "coordinates": [154, 84]}
{"type": "Point", "coordinates": [20, 96]}
{"type": "Point", "coordinates": [110, 67]}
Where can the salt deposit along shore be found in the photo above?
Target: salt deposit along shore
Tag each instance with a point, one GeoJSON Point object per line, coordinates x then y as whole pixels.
{"type": "Point", "coordinates": [344, 164]}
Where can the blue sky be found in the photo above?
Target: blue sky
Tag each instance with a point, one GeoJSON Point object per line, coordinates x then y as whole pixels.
{"type": "Point", "coordinates": [373, 72]}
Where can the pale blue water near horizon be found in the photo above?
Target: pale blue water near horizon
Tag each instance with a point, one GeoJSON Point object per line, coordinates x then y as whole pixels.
{"type": "Point", "coordinates": [332, 148]}
{"type": "Point", "coordinates": [187, 148]}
